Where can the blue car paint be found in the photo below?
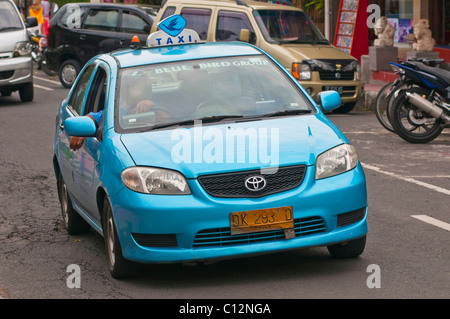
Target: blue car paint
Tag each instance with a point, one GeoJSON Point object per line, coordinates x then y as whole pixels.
{"type": "Point", "coordinates": [144, 213]}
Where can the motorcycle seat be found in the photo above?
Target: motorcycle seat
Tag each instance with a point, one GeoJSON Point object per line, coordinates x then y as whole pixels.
{"type": "Point", "coordinates": [441, 73]}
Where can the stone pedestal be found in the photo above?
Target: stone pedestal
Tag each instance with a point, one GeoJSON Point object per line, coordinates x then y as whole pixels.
{"type": "Point", "coordinates": [422, 55]}
{"type": "Point", "coordinates": [380, 57]}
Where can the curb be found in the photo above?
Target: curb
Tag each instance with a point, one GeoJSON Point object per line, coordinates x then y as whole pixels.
{"type": "Point", "coordinates": [367, 101]}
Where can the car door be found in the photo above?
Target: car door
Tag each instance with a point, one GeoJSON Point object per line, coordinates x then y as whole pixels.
{"type": "Point", "coordinates": [74, 107]}
{"type": "Point", "coordinates": [133, 23]}
{"type": "Point", "coordinates": [86, 160]}
{"type": "Point", "coordinates": [98, 33]}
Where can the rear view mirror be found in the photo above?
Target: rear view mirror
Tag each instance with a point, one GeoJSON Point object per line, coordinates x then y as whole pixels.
{"type": "Point", "coordinates": [31, 22]}
{"type": "Point", "coordinates": [244, 35]}
{"type": "Point", "coordinates": [80, 126]}
{"type": "Point", "coordinates": [329, 100]}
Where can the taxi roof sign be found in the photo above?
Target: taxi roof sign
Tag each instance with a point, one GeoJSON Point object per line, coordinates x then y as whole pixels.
{"type": "Point", "coordinates": [172, 32]}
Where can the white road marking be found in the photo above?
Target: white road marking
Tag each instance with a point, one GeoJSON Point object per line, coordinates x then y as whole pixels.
{"type": "Point", "coordinates": [44, 79]}
{"type": "Point", "coordinates": [432, 221]}
{"type": "Point", "coordinates": [42, 87]}
{"type": "Point", "coordinates": [408, 179]}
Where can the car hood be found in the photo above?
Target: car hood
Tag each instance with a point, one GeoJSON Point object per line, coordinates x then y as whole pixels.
{"type": "Point", "coordinates": [306, 52]}
{"type": "Point", "coordinates": [8, 39]}
{"type": "Point", "coordinates": [220, 148]}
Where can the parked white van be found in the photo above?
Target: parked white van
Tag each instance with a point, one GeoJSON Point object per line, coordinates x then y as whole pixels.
{"type": "Point", "coordinates": [16, 66]}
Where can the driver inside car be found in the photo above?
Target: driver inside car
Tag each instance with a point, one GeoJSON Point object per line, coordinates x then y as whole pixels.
{"type": "Point", "coordinates": [137, 100]}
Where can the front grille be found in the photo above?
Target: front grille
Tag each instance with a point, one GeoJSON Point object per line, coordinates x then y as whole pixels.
{"type": "Point", "coordinates": [233, 184]}
{"type": "Point", "coordinates": [156, 240]}
{"type": "Point", "coordinates": [222, 236]}
{"type": "Point", "coordinates": [6, 74]}
{"type": "Point", "coordinates": [336, 76]}
{"type": "Point", "coordinates": [351, 217]}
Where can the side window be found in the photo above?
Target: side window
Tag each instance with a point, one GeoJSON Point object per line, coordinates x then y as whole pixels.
{"type": "Point", "coordinates": [169, 11]}
{"type": "Point", "coordinates": [102, 20]}
{"type": "Point", "coordinates": [69, 17]}
{"type": "Point", "coordinates": [95, 101]}
{"type": "Point", "coordinates": [133, 22]}
{"type": "Point", "coordinates": [76, 100]}
{"type": "Point", "coordinates": [230, 24]}
{"type": "Point", "coordinates": [198, 20]}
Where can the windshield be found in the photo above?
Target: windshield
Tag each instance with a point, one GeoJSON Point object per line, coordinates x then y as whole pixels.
{"type": "Point", "coordinates": [217, 89]}
{"type": "Point", "coordinates": [9, 20]}
{"type": "Point", "coordinates": [287, 26]}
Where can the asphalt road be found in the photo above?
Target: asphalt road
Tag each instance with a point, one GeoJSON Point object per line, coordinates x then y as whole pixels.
{"type": "Point", "coordinates": [408, 254]}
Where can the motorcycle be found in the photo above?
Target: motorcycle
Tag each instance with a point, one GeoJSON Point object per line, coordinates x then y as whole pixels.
{"type": "Point", "coordinates": [390, 91]}
{"type": "Point", "coordinates": [39, 51]}
{"type": "Point", "coordinates": [419, 113]}
{"type": "Point", "coordinates": [34, 43]}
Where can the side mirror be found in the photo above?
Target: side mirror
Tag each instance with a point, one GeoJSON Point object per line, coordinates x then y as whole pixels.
{"type": "Point", "coordinates": [244, 35]}
{"type": "Point", "coordinates": [31, 22]}
{"type": "Point", "coordinates": [147, 28]}
{"type": "Point", "coordinates": [329, 100]}
{"type": "Point", "coordinates": [80, 126]}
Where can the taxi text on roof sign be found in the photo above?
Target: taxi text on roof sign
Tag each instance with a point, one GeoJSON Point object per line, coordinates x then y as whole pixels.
{"type": "Point", "coordinates": [172, 32]}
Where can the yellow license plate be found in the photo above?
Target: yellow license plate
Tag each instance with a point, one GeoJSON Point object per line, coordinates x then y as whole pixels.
{"type": "Point", "coordinates": [261, 220]}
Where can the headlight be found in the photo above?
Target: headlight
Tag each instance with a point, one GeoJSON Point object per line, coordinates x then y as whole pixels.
{"type": "Point", "coordinates": [155, 181]}
{"type": "Point", "coordinates": [301, 71]}
{"type": "Point", "coordinates": [22, 48]}
{"type": "Point", "coordinates": [337, 160]}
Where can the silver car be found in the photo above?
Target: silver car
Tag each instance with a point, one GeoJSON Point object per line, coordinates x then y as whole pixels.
{"type": "Point", "coordinates": [16, 68]}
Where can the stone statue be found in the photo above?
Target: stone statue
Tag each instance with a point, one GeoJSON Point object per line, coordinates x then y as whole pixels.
{"type": "Point", "coordinates": [385, 33]}
{"type": "Point", "coordinates": [424, 39]}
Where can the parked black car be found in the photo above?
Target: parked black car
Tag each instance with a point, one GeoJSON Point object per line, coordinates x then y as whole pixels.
{"type": "Point", "coordinates": [80, 31]}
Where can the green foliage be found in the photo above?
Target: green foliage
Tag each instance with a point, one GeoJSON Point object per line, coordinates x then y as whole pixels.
{"type": "Point", "coordinates": [318, 5]}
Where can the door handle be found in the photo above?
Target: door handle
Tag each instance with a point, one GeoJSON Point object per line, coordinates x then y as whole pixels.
{"type": "Point", "coordinates": [82, 37]}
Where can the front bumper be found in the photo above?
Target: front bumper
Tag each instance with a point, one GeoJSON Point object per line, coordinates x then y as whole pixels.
{"type": "Point", "coordinates": [16, 71]}
{"type": "Point", "coordinates": [351, 90]}
{"type": "Point", "coordinates": [157, 229]}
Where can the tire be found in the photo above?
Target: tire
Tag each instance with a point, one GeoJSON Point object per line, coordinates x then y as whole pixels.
{"type": "Point", "coordinates": [73, 222]}
{"type": "Point", "coordinates": [68, 72]}
{"type": "Point", "coordinates": [350, 249]}
{"type": "Point", "coordinates": [345, 108]}
{"type": "Point", "coordinates": [26, 92]}
{"type": "Point", "coordinates": [119, 267]}
{"type": "Point", "coordinates": [412, 124]}
{"type": "Point", "coordinates": [382, 106]}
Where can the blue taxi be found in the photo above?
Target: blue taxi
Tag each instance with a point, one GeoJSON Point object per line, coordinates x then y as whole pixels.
{"type": "Point", "coordinates": [183, 151]}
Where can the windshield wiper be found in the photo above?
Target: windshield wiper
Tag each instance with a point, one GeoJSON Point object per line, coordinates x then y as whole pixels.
{"type": "Point", "coordinates": [287, 112]}
{"type": "Point", "coordinates": [206, 119]}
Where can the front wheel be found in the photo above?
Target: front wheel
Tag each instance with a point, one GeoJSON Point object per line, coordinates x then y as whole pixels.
{"type": "Point", "coordinates": [350, 249]}
{"type": "Point", "coordinates": [345, 108]}
{"type": "Point", "coordinates": [411, 123]}
{"type": "Point", "coordinates": [26, 92]}
{"type": "Point", "coordinates": [119, 267]}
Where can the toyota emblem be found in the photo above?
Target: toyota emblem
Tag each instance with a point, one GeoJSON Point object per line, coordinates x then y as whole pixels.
{"type": "Point", "coordinates": [255, 183]}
